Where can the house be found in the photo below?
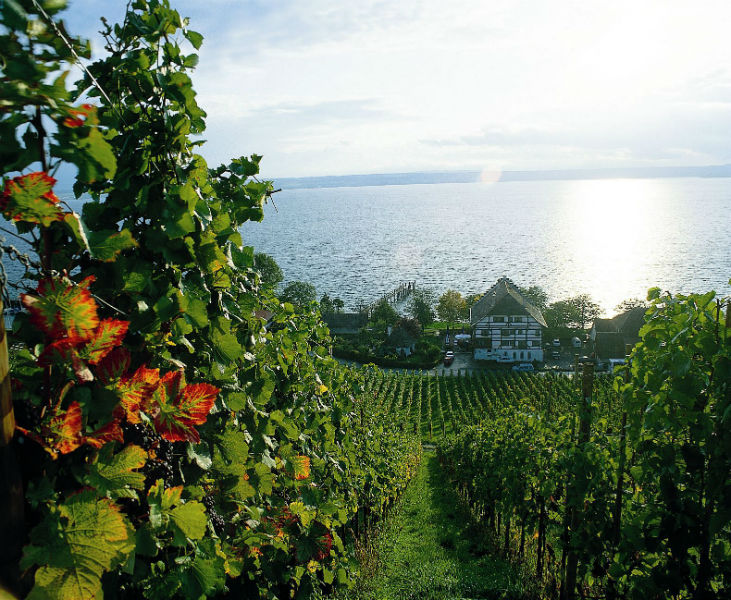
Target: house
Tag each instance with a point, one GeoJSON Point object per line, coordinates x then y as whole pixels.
{"type": "Point", "coordinates": [609, 337]}
{"type": "Point", "coordinates": [345, 323]}
{"type": "Point", "coordinates": [505, 326]}
{"type": "Point", "coordinates": [402, 341]}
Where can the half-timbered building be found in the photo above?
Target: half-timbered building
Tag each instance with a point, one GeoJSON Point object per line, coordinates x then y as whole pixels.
{"type": "Point", "coordinates": [505, 326]}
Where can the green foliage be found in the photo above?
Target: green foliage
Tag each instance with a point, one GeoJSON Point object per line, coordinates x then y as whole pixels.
{"type": "Point", "coordinates": [421, 306]}
{"type": "Point", "coordinates": [191, 448]}
{"type": "Point", "coordinates": [630, 485]}
{"type": "Point", "coordinates": [331, 305]}
{"type": "Point", "coordinates": [410, 326]}
{"type": "Point", "coordinates": [576, 312]}
{"type": "Point", "coordinates": [299, 293]}
{"type": "Point", "coordinates": [269, 272]}
{"type": "Point", "coordinates": [383, 314]}
{"type": "Point", "coordinates": [536, 295]}
{"type": "Point", "coordinates": [451, 306]}
{"type": "Point", "coordinates": [629, 304]}
{"type": "Point", "coordinates": [76, 543]}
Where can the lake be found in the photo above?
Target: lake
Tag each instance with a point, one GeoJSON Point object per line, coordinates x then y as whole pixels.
{"type": "Point", "coordinates": [610, 238]}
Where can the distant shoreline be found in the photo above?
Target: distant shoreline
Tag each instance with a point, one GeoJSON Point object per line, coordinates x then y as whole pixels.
{"type": "Point", "coordinates": [432, 177]}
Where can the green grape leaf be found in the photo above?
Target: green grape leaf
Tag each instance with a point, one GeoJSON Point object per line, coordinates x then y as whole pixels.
{"type": "Point", "coordinates": [195, 38]}
{"type": "Point", "coordinates": [107, 244]}
{"type": "Point", "coordinates": [205, 577]}
{"type": "Point", "coordinates": [96, 160]}
{"type": "Point", "coordinates": [115, 474]}
{"type": "Point", "coordinates": [190, 518]}
{"type": "Point", "coordinates": [75, 544]}
{"type": "Point", "coordinates": [226, 344]}
{"type": "Point", "coordinates": [78, 229]}
{"type": "Point", "coordinates": [197, 312]}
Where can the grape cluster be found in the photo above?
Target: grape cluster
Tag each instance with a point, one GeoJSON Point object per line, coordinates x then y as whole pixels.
{"type": "Point", "coordinates": [140, 434]}
{"type": "Point", "coordinates": [158, 469]}
{"type": "Point", "coordinates": [217, 520]}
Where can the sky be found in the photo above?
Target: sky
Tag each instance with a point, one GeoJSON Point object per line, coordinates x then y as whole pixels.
{"type": "Point", "coordinates": [333, 87]}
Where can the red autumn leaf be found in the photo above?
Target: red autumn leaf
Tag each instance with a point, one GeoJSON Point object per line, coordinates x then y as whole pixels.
{"type": "Point", "coordinates": [176, 408]}
{"type": "Point", "coordinates": [324, 544]}
{"type": "Point", "coordinates": [301, 466]}
{"type": "Point", "coordinates": [67, 350]}
{"type": "Point", "coordinates": [114, 366]}
{"type": "Point", "coordinates": [77, 116]}
{"type": "Point", "coordinates": [59, 351]}
{"type": "Point", "coordinates": [65, 429]}
{"type": "Point", "coordinates": [73, 122]}
{"type": "Point", "coordinates": [104, 338]}
{"type": "Point", "coordinates": [30, 198]}
{"type": "Point", "coordinates": [63, 309]}
{"type": "Point", "coordinates": [135, 392]}
{"type": "Point", "coordinates": [108, 433]}
{"type": "Point", "coordinates": [198, 400]}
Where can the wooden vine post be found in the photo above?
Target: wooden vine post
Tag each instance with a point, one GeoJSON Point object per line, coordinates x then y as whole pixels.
{"type": "Point", "coordinates": [622, 460]}
{"type": "Point", "coordinates": [12, 531]}
{"type": "Point", "coordinates": [7, 417]}
{"type": "Point", "coordinates": [572, 560]}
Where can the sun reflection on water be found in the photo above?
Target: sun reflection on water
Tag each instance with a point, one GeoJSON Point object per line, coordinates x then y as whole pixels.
{"type": "Point", "coordinates": [612, 225]}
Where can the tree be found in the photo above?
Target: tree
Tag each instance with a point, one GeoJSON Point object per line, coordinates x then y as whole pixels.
{"type": "Point", "coordinates": [421, 306]}
{"type": "Point", "coordinates": [330, 305]}
{"type": "Point", "coordinates": [326, 305]}
{"type": "Point", "coordinates": [451, 306]}
{"type": "Point", "coordinates": [575, 312]}
{"type": "Point", "coordinates": [470, 301]}
{"type": "Point", "coordinates": [629, 304]}
{"type": "Point", "coordinates": [587, 309]}
{"type": "Point", "coordinates": [410, 326]}
{"type": "Point", "coordinates": [384, 314]}
{"type": "Point", "coordinates": [269, 271]}
{"type": "Point", "coordinates": [535, 295]}
{"type": "Point", "coordinates": [299, 293]}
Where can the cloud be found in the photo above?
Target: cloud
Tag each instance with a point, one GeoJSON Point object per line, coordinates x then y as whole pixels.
{"type": "Point", "coordinates": [374, 85]}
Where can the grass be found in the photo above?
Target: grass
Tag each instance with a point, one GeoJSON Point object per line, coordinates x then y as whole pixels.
{"type": "Point", "coordinates": [430, 550]}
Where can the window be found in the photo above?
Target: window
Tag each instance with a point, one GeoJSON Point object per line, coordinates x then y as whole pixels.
{"type": "Point", "coordinates": [522, 344]}
{"type": "Point", "coordinates": [517, 319]}
{"type": "Point", "coordinates": [506, 344]}
{"type": "Point", "coordinates": [498, 319]}
{"type": "Point", "coordinates": [506, 332]}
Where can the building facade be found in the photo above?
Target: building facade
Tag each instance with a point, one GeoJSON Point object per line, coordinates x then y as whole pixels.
{"type": "Point", "coordinates": [609, 337]}
{"type": "Point", "coordinates": [505, 326]}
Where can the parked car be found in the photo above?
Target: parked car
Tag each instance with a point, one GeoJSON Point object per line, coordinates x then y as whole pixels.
{"type": "Point", "coordinates": [524, 367]}
{"type": "Point", "coordinates": [448, 358]}
{"type": "Point", "coordinates": [557, 342]}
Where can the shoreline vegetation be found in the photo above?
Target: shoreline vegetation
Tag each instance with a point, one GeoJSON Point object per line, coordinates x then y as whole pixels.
{"type": "Point", "coordinates": [436, 177]}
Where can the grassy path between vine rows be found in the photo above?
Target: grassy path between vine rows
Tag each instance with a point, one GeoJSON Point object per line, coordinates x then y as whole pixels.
{"type": "Point", "coordinates": [429, 550]}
